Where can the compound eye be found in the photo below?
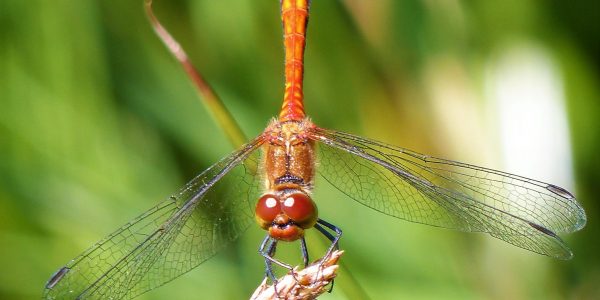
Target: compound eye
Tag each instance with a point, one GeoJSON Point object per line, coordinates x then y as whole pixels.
{"type": "Point", "coordinates": [300, 208]}
{"type": "Point", "coordinates": [267, 208]}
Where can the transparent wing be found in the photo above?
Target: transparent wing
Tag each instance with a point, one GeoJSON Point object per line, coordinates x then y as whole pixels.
{"type": "Point", "coordinates": [168, 240]}
{"type": "Point", "coordinates": [424, 189]}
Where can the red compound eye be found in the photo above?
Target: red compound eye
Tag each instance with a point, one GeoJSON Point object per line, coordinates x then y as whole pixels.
{"type": "Point", "coordinates": [300, 208]}
{"type": "Point", "coordinates": [267, 208]}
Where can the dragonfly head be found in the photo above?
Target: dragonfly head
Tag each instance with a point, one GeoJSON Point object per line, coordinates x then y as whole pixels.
{"type": "Point", "coordinates": [286, 215]}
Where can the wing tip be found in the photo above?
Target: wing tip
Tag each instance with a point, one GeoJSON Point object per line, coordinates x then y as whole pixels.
{"type": "Point", "coordinates": [567, 255]}
{"type": "Point", "coordinates": [576, 208]}
{"type": "Point", "coordinates": [581, 221]}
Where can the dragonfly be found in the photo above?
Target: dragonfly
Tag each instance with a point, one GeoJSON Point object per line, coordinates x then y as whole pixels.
{"type": "Point", "coordinates": [270, 181]}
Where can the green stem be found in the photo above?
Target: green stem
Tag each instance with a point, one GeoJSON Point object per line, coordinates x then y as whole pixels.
{"type": "Point", "coordinates": [210, 99]}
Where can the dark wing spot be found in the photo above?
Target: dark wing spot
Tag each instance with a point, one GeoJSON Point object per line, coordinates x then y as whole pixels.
{"type": "Point", "coordinates": [560, 191]}
{"type": "Point", "coordinates": [56, 277]}
{"type": "Point", "coordinates": [542, 229]}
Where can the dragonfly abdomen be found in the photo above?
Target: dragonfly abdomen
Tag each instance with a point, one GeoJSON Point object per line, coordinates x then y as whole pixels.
{"type": "Point", "coordinates": [294, 14]}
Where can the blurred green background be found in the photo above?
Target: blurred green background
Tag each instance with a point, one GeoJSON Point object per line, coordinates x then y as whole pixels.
{"type": "Point", "coordinates": [98, 123]}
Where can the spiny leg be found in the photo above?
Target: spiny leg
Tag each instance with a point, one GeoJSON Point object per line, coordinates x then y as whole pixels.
{"type": "Point", "coordinates": [304, 251]}
{"type": "Point", "coordinates": [267, 250]}
{"type": "Point", "coordinates": [334, 240]}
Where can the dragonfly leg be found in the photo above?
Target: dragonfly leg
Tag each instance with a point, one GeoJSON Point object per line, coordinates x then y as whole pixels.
{"type": "Point", "coordinates": [320, 226]}
{"type": "Point", "coordinates": [304, 251]}
{"type": "Point", "coordinates": [267, 250]}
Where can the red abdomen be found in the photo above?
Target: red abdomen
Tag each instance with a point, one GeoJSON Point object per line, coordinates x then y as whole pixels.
{"type": "Point", "coordinates": [294, 14]}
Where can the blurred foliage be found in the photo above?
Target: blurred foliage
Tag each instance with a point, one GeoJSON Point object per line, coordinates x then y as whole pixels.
{"type": "Point", "coordinates": [98, 122]}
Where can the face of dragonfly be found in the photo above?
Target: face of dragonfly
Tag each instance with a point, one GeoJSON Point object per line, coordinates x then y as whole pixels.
{"type": "Point", "coordinates": [286, 214]}
{"type": "Point", "coordinates": [218, 205]}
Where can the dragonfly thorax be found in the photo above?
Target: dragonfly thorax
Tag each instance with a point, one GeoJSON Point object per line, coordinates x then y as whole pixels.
{"type": "Point", "coordinates": [289, 156]}
{"type": "Point", "coordinates": [286, 214]}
